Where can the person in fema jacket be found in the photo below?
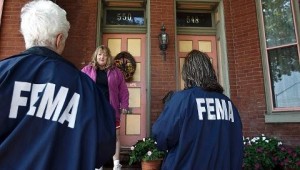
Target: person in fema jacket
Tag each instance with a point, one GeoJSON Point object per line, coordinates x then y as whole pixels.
{"type": "Point", "coordinates": [200, 127]}
{"type": "Point", "coordinates": [111, 80]}
{"type": "Point", "coordinates": [52, 116]}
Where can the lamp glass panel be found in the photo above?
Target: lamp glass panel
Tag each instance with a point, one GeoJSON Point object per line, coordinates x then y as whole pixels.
{"type": "Point", "coordinates": [164, 38]}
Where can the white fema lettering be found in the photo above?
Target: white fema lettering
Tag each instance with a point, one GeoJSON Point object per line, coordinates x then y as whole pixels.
{"type": "Point", "coordinates": [215, 108]}
{"type": "Point", "coordinates": [50, 105]}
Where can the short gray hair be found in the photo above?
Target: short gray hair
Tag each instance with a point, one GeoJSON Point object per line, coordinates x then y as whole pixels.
{"type": "Point", "coordinates": [41, 22]}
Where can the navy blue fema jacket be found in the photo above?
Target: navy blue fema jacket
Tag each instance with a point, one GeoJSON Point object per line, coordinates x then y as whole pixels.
{"type": "Point", "coordinates": [201, 130]}
{"type": "Point", "coordinates": [52, 116]}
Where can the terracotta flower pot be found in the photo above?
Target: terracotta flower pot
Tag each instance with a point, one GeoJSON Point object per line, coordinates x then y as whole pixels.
{"type": "Point", "coordinates": [151, 165]}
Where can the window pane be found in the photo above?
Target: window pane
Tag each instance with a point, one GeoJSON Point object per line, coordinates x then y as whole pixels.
{"type": "Point", "coordinates": [278, 20]}
{"type": "Point", "coordinates": [285, 76]}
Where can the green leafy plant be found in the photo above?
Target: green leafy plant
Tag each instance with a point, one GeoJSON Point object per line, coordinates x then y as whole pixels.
{"type": "Point", "coordinates": [263, 152]}
{"type": "Point", "coordinates": [288, 157]}
{"type": "Point", "coordinates": [145, 150]}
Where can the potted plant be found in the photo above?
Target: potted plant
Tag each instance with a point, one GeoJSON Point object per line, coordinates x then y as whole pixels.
{"type": "Point", "coordinates": [146, 152]}
{"type": "Point", "coordinates": [266, 153]}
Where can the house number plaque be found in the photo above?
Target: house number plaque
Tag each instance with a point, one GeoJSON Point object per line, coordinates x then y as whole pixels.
{"type": "Point", "coordinates": [124, 17]}
{"type": "Point", "coordinates": [185, 19]}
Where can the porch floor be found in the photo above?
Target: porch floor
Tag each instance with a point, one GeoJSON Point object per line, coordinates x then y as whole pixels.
{"type": "Point", "coordinates": [124, 160]}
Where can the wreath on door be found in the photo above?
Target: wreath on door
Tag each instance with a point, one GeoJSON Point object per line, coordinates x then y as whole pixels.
{"type": "Point", "coordinates": [126, 63]}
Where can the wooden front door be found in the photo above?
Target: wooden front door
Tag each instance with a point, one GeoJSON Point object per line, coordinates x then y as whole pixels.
{"type": "Point", "coordinates": [206, 44]}
{"type": "Point", "coordinates": [133, 126]}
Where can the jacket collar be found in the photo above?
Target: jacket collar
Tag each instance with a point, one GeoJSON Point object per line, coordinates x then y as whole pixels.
{"type": "Point", "coordinates": [46, 52]}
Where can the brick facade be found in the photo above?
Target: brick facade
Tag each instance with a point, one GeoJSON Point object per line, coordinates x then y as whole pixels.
{"type": "Point", "coordinates": [245, 64]}
{"type": "Point", "coordinates": [246, 73]}
{"type": "Point", "coordinates": [162, 72]}
{"type": "Point", "coordinates": [11, 41]}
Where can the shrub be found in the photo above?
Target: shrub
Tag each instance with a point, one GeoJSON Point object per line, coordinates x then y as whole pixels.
{"type": "Point", "coordinates": [263, 152]}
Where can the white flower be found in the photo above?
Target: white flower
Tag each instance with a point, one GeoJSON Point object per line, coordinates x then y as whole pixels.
{"type": "Point", "coordinates": [155, 143]}
{"type": "Point", "coordinates": [149, 153]}
{"type": "Point", "coordinates": [262, 134]}
{"type": "Point", "coordinates": [132, 148]}
{"type": "Point", "coordinates": [263, 138]}
{"type": "Point", "coordinates": [267, 141]}
{"type": "Point", "coordinates": [279, 143]}
{"type": "Point", "coordinates": [144, 139]}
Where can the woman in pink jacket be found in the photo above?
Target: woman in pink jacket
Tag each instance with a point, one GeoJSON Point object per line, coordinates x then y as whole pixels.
{"type": "Point", "coordinates": [111, 81]}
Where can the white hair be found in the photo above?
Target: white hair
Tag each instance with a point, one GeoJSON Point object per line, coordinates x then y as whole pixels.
{"type": "Point", "coordinates": [41, 22]}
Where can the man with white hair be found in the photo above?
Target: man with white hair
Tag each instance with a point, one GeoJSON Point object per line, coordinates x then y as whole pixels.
{"type": "Point", "coordinates": [52, 116]}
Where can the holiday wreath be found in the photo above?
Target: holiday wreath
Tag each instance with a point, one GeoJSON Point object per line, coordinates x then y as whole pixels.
{"type": "Point", "coordinates": [126, 63]}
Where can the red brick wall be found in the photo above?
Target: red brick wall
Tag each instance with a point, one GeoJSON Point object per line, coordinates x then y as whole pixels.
{"type": "Point", "coordinates": [11, 41]}
{"type": "Point", "coordinates": [81, 42]}
{"type": "Point", "coordinates": [246, 73]}
{"type": "Point", "coordinates": [162, 72]}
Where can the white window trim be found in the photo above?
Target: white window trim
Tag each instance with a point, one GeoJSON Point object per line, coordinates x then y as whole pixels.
{"type": "Point", "coordinates": [272, 116]}
{"type": "Point", "coordinates": [282, 117]}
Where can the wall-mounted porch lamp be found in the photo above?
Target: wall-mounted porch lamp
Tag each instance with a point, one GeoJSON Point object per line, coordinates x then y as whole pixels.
{"type": "Point", "coordinates": [163, 41]}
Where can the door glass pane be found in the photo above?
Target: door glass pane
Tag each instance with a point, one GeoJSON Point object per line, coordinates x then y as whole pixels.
{"type": "Point", "coordinates": [278, 22]}
{"type": "Point", "coordinates": [134, 97]}
{"type": "Point", "coordinates": [285, 76]}
{"type": "Point", "coordinates": [114, 44]}
{"type": "Point", "coordinates": [185, 46]}
{"type": "Point", "coordinates": [189, 19]}
{"type": "Point", "coordinates": [134, 46]}
{"type": "Point", "coordinates": [137, 74]}
{"type": "Point", "coordinates": [181, 62]}
{"type": "Point", "coordinates": [204, 46]}
{"type": "Point", "coordinates": [133, 124]}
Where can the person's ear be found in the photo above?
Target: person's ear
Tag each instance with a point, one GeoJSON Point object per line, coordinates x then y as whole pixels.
{"type": "Point", "coordinates": [59, 39]}
{"type": "Point", "coordinates": [60, 44]}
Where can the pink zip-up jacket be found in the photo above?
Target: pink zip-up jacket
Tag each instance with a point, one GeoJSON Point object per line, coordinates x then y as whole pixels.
{"type": "Point", "coordinates": [118, 91]}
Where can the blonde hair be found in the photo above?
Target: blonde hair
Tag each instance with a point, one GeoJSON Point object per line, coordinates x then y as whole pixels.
{"type": "Point", "coordinates": [106, 50]}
